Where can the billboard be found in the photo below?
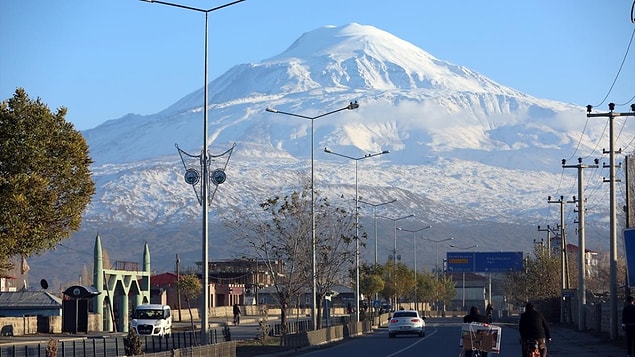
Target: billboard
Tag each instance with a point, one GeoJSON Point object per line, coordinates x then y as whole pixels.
{"type": "Point", "coordinates": [485, 262]}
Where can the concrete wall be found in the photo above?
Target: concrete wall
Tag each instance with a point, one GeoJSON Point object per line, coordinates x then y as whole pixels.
{"type": "Point", "coordinates": [17, 326]}
{"type": "Point", "coordinates": [29, 325]}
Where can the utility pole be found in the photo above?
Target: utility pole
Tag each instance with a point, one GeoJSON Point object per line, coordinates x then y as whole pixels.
{"type": "Point", "coordinates": [564, 271]}
{"type": "Point", "coordinates": [178, 280]}
{"type": "Point", "coordinates": [613, 321]}
{"type": "Point", "coordinates": [548, 237]}
{"type": "Point", "coordinates": [581, 239]}
{"type": "Point", "coordinates": [629, 169]}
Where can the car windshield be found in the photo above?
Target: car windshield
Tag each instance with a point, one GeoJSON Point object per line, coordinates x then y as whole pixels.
{"type": "Point", "coordinates": [405, 314]}
{"type": "Point", "coordinates": [149, 314]}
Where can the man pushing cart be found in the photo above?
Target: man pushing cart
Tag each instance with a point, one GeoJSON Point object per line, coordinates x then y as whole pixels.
{"type": "Point", "coordinates": [478, 339]}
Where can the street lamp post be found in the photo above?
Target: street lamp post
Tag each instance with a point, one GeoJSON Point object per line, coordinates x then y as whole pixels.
{"type": "Point", "coordinates": [394, 251]}
{"type": "Point", "coordinates": [350, 106]}
{"type": "Point", "coordinates": [375, 205]}
{"type": "Point", "coordinates": [356, 159]}
{"type": "Point", "coordinates": [414, 246]}
{"type": "Point", "coordinates": [463, 285]}
{"type": "Point", "coordinates": [436, 264]}
{"type": "Point", "coordinates": [204, 169]}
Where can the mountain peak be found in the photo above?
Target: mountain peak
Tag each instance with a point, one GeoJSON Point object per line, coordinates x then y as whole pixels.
{"type": "Point", "coordinates": [363, 56]}
{"type": "Point", "coordinates": [345, 42]}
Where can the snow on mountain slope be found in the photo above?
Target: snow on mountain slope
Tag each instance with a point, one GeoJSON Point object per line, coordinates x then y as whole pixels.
{"type": "Point", "coordinates": [473, 158]}
{"type": "Point", "coordinates": [409, 102]}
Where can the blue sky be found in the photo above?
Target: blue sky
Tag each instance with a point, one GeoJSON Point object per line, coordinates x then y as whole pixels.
{"type": "Point", "coordinates": [104, 59]}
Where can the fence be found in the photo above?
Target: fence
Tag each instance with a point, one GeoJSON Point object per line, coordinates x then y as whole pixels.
{"type": "Point", "coordinates": [97, 346]}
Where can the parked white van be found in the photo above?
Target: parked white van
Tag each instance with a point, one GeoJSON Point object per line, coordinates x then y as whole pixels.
{"type": "Point", "coordinates": [152, 320]}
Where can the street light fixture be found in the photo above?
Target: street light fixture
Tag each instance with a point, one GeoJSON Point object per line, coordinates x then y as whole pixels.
{"type": "Point", "coordinates": [350, 106]}
{"type": "Point", "coordinates": [394, 250]}
{"type": "Point", "coordinates": [356, 159]}
{"type": "Point", "coordinates": [436, 264]}
{"type": "Point", "coordinates": [464, 248]}
{"type": "Point", "coordinates": [191, 176]}
{"type": "Point", "coordinates": [414, 246]}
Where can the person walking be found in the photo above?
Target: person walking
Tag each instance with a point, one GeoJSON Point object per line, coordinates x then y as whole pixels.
{"type": "Point", "coordinates": [489, 310]}
{"type": "Point", "coordinates": [533, 329]}
{"type": "Point", "coordinates": [474, 316]}
{"type": "Point", "coordinates": [628, 324]}
{"type": "Point", "coordinates": [236, 314]}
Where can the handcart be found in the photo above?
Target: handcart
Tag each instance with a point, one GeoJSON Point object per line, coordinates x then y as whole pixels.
{"type": "Point", "coordinates": [478, 338]}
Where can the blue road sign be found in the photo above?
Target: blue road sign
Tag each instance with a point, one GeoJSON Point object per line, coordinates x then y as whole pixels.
{"type": "Point", "coordinates": [629, 250]}
{"type": "Point", "coordinates": [499, 262]}
{"type": "Point", "coordinates": [485, 262]}
{"type": "Point", "coordinates": [460, 262]}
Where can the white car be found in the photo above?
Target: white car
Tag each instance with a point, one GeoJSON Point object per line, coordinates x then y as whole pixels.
{"type": "Point", "coordinates": [152, 320]}
{"type": "Point", "coordinates": [406, 322]}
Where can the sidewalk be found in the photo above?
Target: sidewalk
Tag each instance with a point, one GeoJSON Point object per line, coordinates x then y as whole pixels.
{"type": "Point", "coordinates": [566, 341]}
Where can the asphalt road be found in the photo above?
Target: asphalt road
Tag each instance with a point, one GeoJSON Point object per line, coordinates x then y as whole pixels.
{"type": "Point", "coordinates": [442, 339]}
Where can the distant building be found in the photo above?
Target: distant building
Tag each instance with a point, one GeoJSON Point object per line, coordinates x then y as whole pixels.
{"type": "Point", "coordinates": [590, 259]}
{"type": "Point", "coordinates": [471, 290]}
{"type": "Point", "coordinates": [8, 283]}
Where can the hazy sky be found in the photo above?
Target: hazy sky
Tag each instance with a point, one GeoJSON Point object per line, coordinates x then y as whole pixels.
{"type": "Point", "coordinates": [104, 59]}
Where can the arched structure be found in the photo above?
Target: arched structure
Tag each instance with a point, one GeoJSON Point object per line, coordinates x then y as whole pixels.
{"type": "Point", "coordinates": [119, 288]}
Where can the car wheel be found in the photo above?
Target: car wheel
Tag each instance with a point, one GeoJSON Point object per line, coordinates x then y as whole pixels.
{"type": "Point", "coordinates": [422, 334]}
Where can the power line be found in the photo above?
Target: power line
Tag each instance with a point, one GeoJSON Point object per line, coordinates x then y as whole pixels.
{"type": "Point", "coordinates": [617, 75]}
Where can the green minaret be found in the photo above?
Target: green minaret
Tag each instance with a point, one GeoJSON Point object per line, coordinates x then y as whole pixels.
{"type": "Point", "coordinates": [98, 277]}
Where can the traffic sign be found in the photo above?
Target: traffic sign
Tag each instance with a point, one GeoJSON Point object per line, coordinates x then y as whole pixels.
{"type": "Point", "coordinates": [485, 262]}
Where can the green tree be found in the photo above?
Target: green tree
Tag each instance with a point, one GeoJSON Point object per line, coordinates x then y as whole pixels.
{"type": "Point", "coordinates": [426, 288]}
{"type": "Point", "coordinates": [446, 289]}
{"type": "Point", "coordinates": [539, 280]}
{"type": "Point", "coordinates": [190, 287]}
{"type": "Point", "coordinates": [45, 179]}
{"type": "Point", "coordinates": [400, 282]}
{"type": "Point", "coordinates": [370, 281]}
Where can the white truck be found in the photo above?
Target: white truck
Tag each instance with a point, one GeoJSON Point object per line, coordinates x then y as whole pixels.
{"type": "Point", "coordinates": [152, 320]}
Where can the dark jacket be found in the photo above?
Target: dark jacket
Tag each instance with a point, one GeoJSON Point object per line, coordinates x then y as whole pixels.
{"type": "Point", "coordinates": [474, 316]}
{"type": "Point", "coordinates": [628, 315]}
{"type": "Point", "coordinates": [533, 326]}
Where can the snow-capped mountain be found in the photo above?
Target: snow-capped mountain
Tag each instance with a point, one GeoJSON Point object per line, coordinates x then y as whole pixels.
{"type": "Point", "coordinates": [471, 157]}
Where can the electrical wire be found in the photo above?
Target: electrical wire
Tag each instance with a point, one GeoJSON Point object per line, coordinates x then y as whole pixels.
{"type": "Point", "coordinates": [619, 70]}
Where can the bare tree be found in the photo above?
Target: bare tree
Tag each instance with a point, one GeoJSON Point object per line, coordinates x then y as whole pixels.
{"type": "Point", "coordinates": [280, 234]}
{"type": "Point", "coordinates": [335, 251]}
